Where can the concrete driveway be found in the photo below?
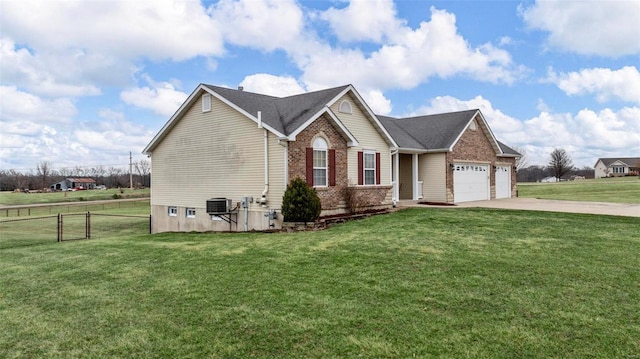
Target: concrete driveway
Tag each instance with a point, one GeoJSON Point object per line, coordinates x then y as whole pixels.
{"type": "Point", "coordinates": [533, 204]}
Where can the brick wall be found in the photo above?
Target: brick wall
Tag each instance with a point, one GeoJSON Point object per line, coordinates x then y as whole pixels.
{"type": "Point", "coordinates": [334, 198]}
{"type": "Point", "coordinates": [476, 146]}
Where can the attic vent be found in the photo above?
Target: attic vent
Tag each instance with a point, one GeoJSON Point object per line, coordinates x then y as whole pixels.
{"type": "Point", "coordinates": [206, 102]}
{"type": "Point", "coordinates": [345, 107]}
{"type": "Point", "coordinates": [240, 88]}
{"type": "Point", "coordinates": [218, 205]}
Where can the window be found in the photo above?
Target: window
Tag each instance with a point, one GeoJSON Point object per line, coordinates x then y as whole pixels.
{"type": "Point", "coordinates": [172, 211]}
{"type": "Point", "coordinates": [320, 162]}
{"type": "Point", "coordinates": [191, 213]}
{"type": "Point", "coordinates": [618, 169]}
{"type": "Point", "coordinates": [345, 107]}
{"type": "Point", "coordinates": [369, 168]}
{"type": "Point", "coordinates": [206, 102]}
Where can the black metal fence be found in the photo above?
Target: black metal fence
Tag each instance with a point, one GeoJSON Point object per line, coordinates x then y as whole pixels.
{"type": "Point", "coordinates": [71, 226]}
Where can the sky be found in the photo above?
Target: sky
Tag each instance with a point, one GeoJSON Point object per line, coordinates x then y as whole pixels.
{"type": "Point", "coordinates": [84, 83]}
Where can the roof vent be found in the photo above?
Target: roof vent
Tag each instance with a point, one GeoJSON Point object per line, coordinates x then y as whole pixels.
{"type": "Point", "coordinates": [240, 88]}
{"type": "Point", "coordinates": [218, 205]}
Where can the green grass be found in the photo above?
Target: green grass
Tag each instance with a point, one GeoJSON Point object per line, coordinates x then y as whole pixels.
{"type": "Point", "coordinates": [41, 226]}
{"type": "Point", "coordinates": [11, 198]}
{"type": "Point", "coordinates": [458, 283]}
{"type": "Point", "coordinates": [618, 190]}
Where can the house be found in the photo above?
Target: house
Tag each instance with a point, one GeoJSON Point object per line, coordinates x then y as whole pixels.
{"type": "Point", "coordinates": [451, 158]}
{"type": "Point", "coordinates": [241, 149]}
{"type": "Point", "coordinates": [74, 183]}
{"type": "Point", "coordinates": [616, 167]}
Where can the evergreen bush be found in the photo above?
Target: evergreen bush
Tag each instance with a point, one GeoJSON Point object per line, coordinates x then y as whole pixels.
{"type": "Point", "coordinates": [300, 202]}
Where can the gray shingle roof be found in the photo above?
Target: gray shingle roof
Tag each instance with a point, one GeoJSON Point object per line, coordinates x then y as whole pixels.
{"type": "Point", "coordinates": [508, 150]}
{"type": "Point", "coordinates": [283, 114]}
{"type": "Point", "coordinates": [430, 132]}
{"type": "Point", "coordinates": [630, 161]}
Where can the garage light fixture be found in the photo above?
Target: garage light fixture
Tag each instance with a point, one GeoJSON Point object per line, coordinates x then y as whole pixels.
{"type": "Point", "coordinates": [451, 165]}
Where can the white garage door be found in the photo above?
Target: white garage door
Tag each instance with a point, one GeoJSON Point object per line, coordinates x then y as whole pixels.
{"type": "Point", "coordinates": [470, 182]}
{"type": "Point", "coordinates": [503, 181]}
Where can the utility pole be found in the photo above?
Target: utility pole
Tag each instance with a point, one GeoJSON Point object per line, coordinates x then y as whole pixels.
{"type": "Point", "coordinates": [130, 171]}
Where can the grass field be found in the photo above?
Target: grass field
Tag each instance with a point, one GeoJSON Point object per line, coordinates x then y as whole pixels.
{"type": "Point", "coordinates": [39, 225]}
{"type": "Point", "coordinates": [618, 190]}
{"type": "Point", "coordinates": [458, 283]}
{"type": "Point", "coordinates": [11, 198]}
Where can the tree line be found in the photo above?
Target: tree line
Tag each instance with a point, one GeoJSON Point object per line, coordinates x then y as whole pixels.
{"type": "Point", "coordinates": [44, 175]}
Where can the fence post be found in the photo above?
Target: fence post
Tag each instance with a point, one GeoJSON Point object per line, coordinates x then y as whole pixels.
{"type": "Point", "coordinates": [88, 226]}
{"type": "Point", "coordinates": [59, 227]}
{"type": "Point", "coordinates": [150, 224]}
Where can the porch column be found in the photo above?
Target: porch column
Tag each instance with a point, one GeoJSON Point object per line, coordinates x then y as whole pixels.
{"type": "Point", "coordinates": [396, 176]}
{"type": "Point", "coordinates": [414, 175]}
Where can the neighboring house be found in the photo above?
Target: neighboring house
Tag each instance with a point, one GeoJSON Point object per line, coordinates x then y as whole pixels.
{"type": "Point", "coordinates": [615, 167]}
{"type": "Point", "coordinates": [243, 146]}
{"type": "Point", "coordinates": [74, 183]}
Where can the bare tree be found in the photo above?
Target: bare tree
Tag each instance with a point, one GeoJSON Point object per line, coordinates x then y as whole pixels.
{"type": "Point", "coordinates": [560, 163]}
{"type": "Point", "coordinates": [43, 170]}
{"type": "Point", "coordinates": [521, 162]}
{"type": "Point", "coordinates": [143, 167]}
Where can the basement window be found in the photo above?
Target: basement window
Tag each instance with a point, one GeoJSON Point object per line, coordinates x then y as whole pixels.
{"type": "Point", "coordinates": [191, 213]}
{"type": "Point", "coordinates": [172, 211]}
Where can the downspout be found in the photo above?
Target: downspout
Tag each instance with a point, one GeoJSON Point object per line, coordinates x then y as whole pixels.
{"type": "Point", "coordinates": [263, 199]}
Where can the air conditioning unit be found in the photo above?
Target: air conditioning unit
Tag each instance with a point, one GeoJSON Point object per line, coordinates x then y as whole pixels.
{"type": "Point", "coordinates": [219, 205]}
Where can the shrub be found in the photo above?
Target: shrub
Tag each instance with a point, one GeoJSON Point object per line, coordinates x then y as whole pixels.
{"type": "Point", "coordinates": [116, 196]}
{"type": "Point", "coordinates": [300, 202]}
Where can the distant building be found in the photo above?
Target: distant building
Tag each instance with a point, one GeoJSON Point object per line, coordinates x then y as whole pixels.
{"type": "Point", "coordinates": [74, 183]}
{"type": "Point", "coordinates": [617, 167]}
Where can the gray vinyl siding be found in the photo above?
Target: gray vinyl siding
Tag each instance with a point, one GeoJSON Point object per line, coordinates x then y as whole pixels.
{"type": "Point", "coordinates": [213, 154]}
{"type": "Point", "coordinates": [431, 170]}
{"type": "Point", "coordinates": [368, 138]}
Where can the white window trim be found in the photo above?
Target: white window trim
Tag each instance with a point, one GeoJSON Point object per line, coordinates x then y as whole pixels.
{"type": "Point", "coordinates": [172, 211]}
{"type": "Point", "coordinates": [206, 102]}
{"type": "Point", "coordinates": [365, 169]}
{"type": "Point", "coordinates": [321, 147]}
{"type": "Point", "coordinates": [190, 212]}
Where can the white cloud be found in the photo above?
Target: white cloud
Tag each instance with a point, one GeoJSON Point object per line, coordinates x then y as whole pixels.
{"type": "Point", "coordinates": [376, 100]}
{"type": "Point", "coordinates": [605, 84]}
{"type": "Point", "coordinates": [21, 106]}
{"type": "Point", "coordinates": [262, 24]}
{"type": "Point", "coordinates": [586, 135]}
{"type": "Point", "coordinates": [364, 20]}
{"type": "Point", "coordinates": [161, 98]}
{"type": "Point", "coordinates": [434, 49]}
{"type": "Point", "coordinates": [594, 27]}
{"type": "Point", "coordinates": [171, 29]}
{"type": "Point", "coordinates": [278, 86]}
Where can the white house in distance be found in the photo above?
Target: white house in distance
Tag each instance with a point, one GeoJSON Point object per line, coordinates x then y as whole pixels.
{"type": "Point", "coordinates": [223, 160]}
{"type": "Point", "coordinates": [617, 167]}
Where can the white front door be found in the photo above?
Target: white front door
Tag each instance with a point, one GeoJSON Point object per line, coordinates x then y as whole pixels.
{"type": "Point", "coordinates": [503, 181]}
{"type": "Point", "coordinates": [470, 182]}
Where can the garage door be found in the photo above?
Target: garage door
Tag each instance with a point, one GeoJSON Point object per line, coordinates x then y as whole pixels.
{"type": "Point", "coordinates": [503, 181]}
{"type": "Point", "coordinates": [470, 182]}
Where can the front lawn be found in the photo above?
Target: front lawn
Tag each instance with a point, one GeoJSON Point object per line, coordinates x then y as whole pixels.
{"type": "Point", "coordinates": [618, 190]}
{"type": "Point", "coordinates": [428, 282]}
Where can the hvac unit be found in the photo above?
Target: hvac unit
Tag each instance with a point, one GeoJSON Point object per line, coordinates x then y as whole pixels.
{"type": "Point", "coordinates": [218, 206]}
